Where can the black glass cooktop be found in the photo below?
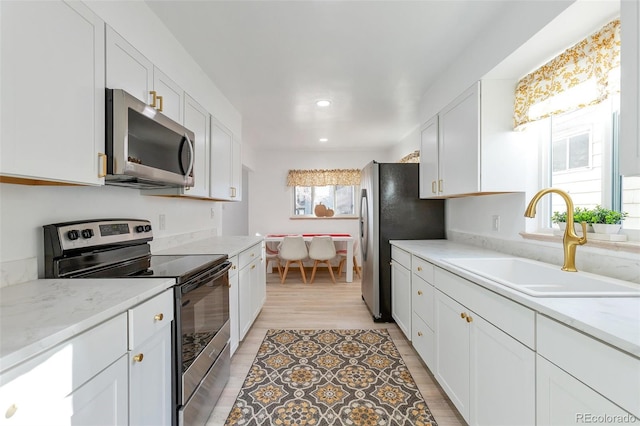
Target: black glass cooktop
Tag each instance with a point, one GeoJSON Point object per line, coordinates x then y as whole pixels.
{"type": "Point", "coordinates": [182, 266]}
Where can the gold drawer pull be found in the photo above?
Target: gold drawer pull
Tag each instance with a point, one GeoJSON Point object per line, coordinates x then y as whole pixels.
{"type": "Point", "coordinates": [155, 98]}
{"type": "Point", "coordinates": [419, 268]}
{"type": "Point", "coordinates": [419, 292]}
{"type": "Point", "coordinates": [463, 315]}
{"type": "Point", "coordinates": [158, 317]}
{"type": "Point", "coordinates": [10, 411]}
{"type": "Point", "coordinates": [419, 333]}
{"type": "Point", "coordinates": [469, 318]}
{"type": "Point", "coordinates": [433, 186]}
{"type": "Point", "coordinates": [138, 358]}
{"type": "Point", "coordinates": [160, 108]}
{"type": "Point", "coordinates": [103, 160]}
{"type": "Point", "coordinates": [253, 266]}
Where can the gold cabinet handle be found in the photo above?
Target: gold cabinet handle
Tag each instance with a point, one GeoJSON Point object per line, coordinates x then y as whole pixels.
{"type": "Point", "coordinates": [419, 268]}
{"type": "Point", "coordinates": [103, 159]}
{"type": "Point", "coordinates": [433, 186]}
{"type": "Point", "coordinates": [159, 317]}
{"type": "Point", "coordinates": [469, 318]}
{"type": "Point", "coordinates": [463, 315]}
{"type": "Point", "coordinates": [234, 267]}
{"type": "Point", "coordinates": [10, 411]}
{"type": "Point", "coordinates": [419, 333]}
{"type": "Point", "coordinates": [154, 97]}
{"type": "Point", "coordinates": [253, 266]}
{"type": "Point", "coordinates": [419, 292]}
{"type": "Point", "coordinates": [138, 358]}
{"type": "Point", "coordinates": [161, 104]}
{"type": "Point", "coordinates": [233, 192]}
{"type": "Point", "coordinates": [440, 185]}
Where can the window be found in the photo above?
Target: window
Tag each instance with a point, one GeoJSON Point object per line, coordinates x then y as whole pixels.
{"type": "Point", "coordinates": [571, 152]}
{"type": "Point", "coordinates": [334, 190]}
{"type": "Point", "coordinates": [338, 198]}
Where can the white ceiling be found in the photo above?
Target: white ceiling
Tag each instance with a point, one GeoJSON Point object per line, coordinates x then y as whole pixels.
{"type": "Point", "coordinates": [373, 59]}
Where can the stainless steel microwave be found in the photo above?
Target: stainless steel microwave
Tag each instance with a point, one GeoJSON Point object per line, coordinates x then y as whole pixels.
{"type": "Point", "coordinates": [145, 148]}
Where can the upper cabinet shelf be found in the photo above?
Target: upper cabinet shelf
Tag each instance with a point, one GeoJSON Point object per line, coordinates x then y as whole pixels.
{"type": "Point", "coordinates": [470, 147]}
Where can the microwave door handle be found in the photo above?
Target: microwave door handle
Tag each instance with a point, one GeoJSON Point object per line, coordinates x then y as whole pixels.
{"type": "Point", "coordinates": [186, 175]}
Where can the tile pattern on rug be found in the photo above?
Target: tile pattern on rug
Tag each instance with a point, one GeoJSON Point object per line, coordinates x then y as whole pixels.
{"type": "Point", "coordinates": [329, 377]}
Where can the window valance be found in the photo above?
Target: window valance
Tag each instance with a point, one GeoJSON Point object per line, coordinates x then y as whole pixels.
{"type": "Point", "coordinates": [323, 177]}
{"type": "Point", "coordinates": [582, 75]}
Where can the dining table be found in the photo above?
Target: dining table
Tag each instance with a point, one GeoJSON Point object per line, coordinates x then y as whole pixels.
{"type": "Point", "coordinates": [337, 237]}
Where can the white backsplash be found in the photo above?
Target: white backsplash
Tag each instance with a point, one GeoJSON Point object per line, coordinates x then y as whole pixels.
{"type": "Point", "coordinates": [18, 271]}
{"type": "Point", "coordinates": [616, 264]}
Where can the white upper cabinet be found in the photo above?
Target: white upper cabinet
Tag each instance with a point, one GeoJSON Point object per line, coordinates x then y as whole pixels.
{"type": "Point", "coordinates": [52, 83]}
{"type": "Point", "coordinates": [198, 120]}
{"type": "Point", "coordinates": [226, 163]}
{"type": "Point", "coordinates": [470, 147]}
{"type": "Point", "coordinates": [131, 71]}
{"type": "Point", "coordinates": [630, 88]}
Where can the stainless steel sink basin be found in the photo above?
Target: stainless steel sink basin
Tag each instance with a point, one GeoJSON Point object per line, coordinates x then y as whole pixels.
{"type": "Point", "coordinates": [544, 280]}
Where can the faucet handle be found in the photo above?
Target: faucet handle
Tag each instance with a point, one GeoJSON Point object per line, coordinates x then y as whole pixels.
{"type": "Point", "coordinates": [583, 239]}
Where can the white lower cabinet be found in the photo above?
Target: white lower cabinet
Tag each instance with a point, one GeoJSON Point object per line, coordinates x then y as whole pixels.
{"type": "Point", "coordinates": [401, 290]}
{"type": "Point", "coordinates": [234, 297]}
{"type": "Point", "coordinates": [563, 400]}
{"type": "Point", "coordinates": [252, 287]}
{"type": "Point", "coordinates": [81, 381]}
{"type": "Point", "coordinates": [150, 361]}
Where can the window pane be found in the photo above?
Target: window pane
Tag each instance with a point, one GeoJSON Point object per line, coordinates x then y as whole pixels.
{"type": "Point", "coordinates": [324, 195]}
{"type": "Point", "coordinates": [344, 200]}
{"type": "Point", "coordinates": [302, 200]}
{"type": "Point", "coordinates": [579, 151]}
{"type": "Point", "coordinates": [339, 198]}
{"type": "Point", "coordinates": [559, 155]}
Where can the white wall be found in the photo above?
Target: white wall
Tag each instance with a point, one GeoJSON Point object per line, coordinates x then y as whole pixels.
{"type": "Point", "coordinates": [235, 215]}
{"type": "Point", "coordinates": [271, 204]}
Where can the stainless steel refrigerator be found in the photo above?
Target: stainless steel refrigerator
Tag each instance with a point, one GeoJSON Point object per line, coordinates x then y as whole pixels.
{"type": "Point", "coordinates": [390, 209]}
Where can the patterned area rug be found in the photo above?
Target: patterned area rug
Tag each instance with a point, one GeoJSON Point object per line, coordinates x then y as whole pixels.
{"type": "Point", "coordinates": [329, 377]}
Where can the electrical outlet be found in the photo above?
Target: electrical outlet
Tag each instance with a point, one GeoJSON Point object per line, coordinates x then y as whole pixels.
{"type": "Point", "coordinates": [495, 222]}
{"type": "Point", "coordinates": [162, 222]}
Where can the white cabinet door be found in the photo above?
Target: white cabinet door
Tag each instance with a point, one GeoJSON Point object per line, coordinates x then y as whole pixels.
{"type": "Point", "coordinates": [236, 170]}
{"type": "Point", "coordinates": [150, 380]}
{"type": "Point", "coordinates": [221, 161]}
{"type": "Point", "coordinates": [198, 120]}
{"type": "Point", "coordinates": [459, 144]}
{"type": "Point", "coordinates": [127, 68]}
{"type": "Point", "coordinates": [53, 99]}
{"type": "Point", "coordinates": [234, 300]}
{"type": "Point", "coordinates": [503, 386]}
{"type": "Point", "coordinates": [429, 162]}
{"type": "Point", "coordinates": [103, 400]}
{"type": "Point", "coordinates": [562, 400]}
{"type": "Point", "coordinates": [630, 88]}
{"type": "Point", "coordinates": [401, 297]}
{"type": "Point", "coordinates": [245, 311]}
{"type": "Point", "coordinates": [170, 96]}
{"type": "Point", "coordinates": [452, 352]}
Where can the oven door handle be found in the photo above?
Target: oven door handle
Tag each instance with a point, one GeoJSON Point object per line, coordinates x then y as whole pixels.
{"type": "Point", "coordinates": [207, 278]}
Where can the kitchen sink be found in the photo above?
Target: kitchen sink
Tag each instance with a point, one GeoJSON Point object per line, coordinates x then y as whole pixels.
{"type": "Point", "coordinates": [544, 280]}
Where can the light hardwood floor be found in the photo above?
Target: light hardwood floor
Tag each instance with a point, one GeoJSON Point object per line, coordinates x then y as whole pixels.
{"type": "Point", "coordinates": [324, 305]}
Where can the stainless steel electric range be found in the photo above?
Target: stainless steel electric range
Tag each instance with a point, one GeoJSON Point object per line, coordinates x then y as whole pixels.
{"type": "Point", "coordinates": [112, 248]}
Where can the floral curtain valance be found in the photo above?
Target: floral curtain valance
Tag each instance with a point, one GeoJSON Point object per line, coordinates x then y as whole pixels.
{"type": "Point", "coordinates": [323, 177]}
{"type": "Point", "coordinates": [582, 75]}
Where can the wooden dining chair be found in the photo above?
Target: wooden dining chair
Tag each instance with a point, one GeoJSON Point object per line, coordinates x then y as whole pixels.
{"type": "Point", "coordinates": [293, 250]}
{"type": "Point", "coordinates": [322, 250]}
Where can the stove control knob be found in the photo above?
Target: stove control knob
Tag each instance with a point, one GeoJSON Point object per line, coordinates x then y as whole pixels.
{"type": "Point", "coordinates": [140, 228]}
{"type": "Point", "coordinates": [87, 233]}
{"type": "Point", "coordinates": [73, 235]}
{"type": "Point", "coordinates": [147, 228]}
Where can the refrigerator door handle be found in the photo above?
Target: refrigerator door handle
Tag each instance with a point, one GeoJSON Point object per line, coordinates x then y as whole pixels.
{"type": "Point", "coordinates": [364, 226]}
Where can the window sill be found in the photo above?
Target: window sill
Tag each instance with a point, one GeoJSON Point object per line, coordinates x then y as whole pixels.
{"type": "Point", "coordinates": [323, 218]}
{"type": "Point", "coordinates": [626, 246]}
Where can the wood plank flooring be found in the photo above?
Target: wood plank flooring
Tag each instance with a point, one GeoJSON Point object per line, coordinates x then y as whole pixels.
{"type": "Point", "coordinates": [324, 305]}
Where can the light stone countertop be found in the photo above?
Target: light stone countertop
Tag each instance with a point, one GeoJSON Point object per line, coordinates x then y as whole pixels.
{"type": "Point", "coordinates": [614, 320]}
{"type": "Point", "coordinates": [230, 245]}
{"type": "Point", "coordinates": [38, 315]}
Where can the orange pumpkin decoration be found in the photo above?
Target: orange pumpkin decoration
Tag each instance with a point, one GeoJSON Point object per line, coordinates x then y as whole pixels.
{"type": "Point", "coordinates": [320, 210]}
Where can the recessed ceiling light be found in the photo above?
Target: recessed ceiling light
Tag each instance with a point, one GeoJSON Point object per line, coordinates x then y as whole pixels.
{"type": "Point", "coordinates": [323, 103]}
{"type": "Point", "coordinates": [324, 140]}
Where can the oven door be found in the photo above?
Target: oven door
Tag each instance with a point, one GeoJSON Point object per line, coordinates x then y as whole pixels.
{"type": "Point", "coordinates": [202, 326]}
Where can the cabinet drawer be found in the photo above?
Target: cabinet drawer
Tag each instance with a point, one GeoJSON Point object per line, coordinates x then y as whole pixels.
{"type": "Point", "coordinates": [234, 266]}
{"type": "Point", "coordinates": [514, 319]}
{"type": "Point", "coordinates": [149, 317]}
{"type": "Point", "coordinates": [423, 339]}
{"type": "Point", "coordinates": [422, 300]}
{"type": "Point", "coordinates": [423, 269]}
{"type": "Point", "coordinates": [611, 372]}
{"type": "Point", "coordinates": [41, 383]}
{"type": "Point", "coordinates": [401, 256]}
{"type": "Point", "coordinates": [249, 255]}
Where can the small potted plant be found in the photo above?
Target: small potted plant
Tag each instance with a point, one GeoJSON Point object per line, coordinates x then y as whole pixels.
{"type": "Point", "coordinates": [607, 221]}
{"type": "Point", "coordinates": [560, 218]}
